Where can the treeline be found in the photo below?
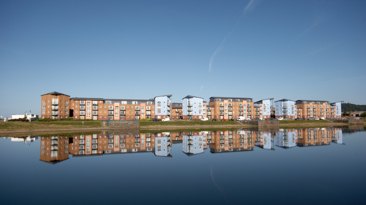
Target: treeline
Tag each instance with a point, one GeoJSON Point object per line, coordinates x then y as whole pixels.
{"type": "Point", "coordinates": [347, 107]}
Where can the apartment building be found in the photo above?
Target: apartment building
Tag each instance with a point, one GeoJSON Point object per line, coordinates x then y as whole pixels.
{"type": "Point", "coordinates": [192, 107]}
{"type": "Point", "coordinates": [230, 108]}
{"type": "Point", "coordinates": [263, 108]}
{"type": "Point", "coordinates": [285, 109]}
{"type": "Point", "coordinates": [112, 109]}
{"type": "Point", "coordinates": [336, 110]}
{"type": "Point", "coordinates": [58, 105]}
{"type": "Point", "coordinates": [162, 106]}
{"type": "Point", "coordinates": [55, 105]}
{"type": "Point", "coordinates": [313, 109]}
{"type": "Point", "coordinates": [264, 140]}
{"type": "Point", "coordinates": [314, 137]}
{"type": "Point", "coordinates": [162, 146]}
{"type": "Point", "coordinates": [176, 112]}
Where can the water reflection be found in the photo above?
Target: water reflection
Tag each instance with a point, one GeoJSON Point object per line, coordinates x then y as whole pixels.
{"type": "Point", "coordinates": [57, 148]}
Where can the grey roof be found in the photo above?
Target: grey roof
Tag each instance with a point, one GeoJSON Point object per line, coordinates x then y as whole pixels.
{"type": "Point", "coordinates": [285, 100]}
{"type": "Point", "coordinates": [311, 101]}
{"type": "Point", "coordinates": [191, 96]}
{"type": "Point", "coordinates": [210, 106]}
{"type": "Point", "coordinates": [55, 93]}
{"type": "Point", "coordinates": [170, 95]}
{"type": "Point", "coordinates": [259, 101]}
{"type": "Point", "coordinates": [235, 99]}
{"type": "Point", "coordinates": [129, 101]}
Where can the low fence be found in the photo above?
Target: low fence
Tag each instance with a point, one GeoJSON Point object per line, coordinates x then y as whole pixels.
{"type": "Point", "coordinates": [262, 123]}
{"type": "Point", "coordinates": [122, 124]}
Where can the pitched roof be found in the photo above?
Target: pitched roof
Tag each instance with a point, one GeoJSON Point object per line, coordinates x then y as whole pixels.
{"type": "Point", "coordinates": [55, 93]}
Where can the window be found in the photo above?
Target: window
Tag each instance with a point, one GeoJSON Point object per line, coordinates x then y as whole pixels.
{"type": "Point", "coordinates": [134, 102]}
{"type": "Point", "coordinates": [123, 102]}
{"type": "Point", "coordinates": [88, 109]}
{"type": "Point", "coordinates": [159, 107]}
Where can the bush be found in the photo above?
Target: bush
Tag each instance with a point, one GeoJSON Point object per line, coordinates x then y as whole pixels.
{"type": "Point", "coordinates": [363, 114]}
{"type": "Point", "coordinates": [50, 120]}
{"type": "Point", "coordinates": [19, 120]}
{"type": "Point", "coordinates": [145, 119]}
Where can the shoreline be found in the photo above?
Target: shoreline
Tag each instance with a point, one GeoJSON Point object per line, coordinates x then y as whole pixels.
{"type": "Point", "coordinates": [169, 127]}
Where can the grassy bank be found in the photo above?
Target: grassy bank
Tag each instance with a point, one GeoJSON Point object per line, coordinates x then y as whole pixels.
{"type": "Point", "coordinates": [187, 123]}
{"type": "Point", "coordinates": [38, 125]}
{"type": "Point", "coordinates": [304, 121]}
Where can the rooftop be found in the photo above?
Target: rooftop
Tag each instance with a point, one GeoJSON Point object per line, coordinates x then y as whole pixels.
{"type": "Point", "coordinates": [55, 93]}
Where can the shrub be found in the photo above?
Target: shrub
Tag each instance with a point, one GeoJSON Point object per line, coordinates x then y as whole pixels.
{"type": "Point", "coordinates": [363, 114]}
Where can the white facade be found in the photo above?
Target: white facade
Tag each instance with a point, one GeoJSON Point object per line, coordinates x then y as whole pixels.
{"type": "Point", "coordinates": [193, 144]}
{"type": "Point", "coordinates": [338, 137]}
{"type": "Point", "coordinates": [338, 109]}
{"type": "Point", "coordinates": [286, 139]}
{"type": "Point", "coordinates": [30, 117]}
{"type": "Point", "coordinates": [285, 108]}
{"type": "Point", "coordinates": [162, 105]}
{"type": "Point", "coordinates": [265, 108]}
{"type": "Point", "coordinates": [161, 146]}
{"type": "Point", "coordinates": [192, 106]}
{"type": "Point", "coordinates": [267, 140]}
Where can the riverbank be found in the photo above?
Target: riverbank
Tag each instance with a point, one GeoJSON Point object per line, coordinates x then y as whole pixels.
{"type": "Point", "coordinates": [87, 126]}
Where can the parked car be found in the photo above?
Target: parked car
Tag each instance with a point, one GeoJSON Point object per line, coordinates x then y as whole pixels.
{"type": "Point", "coordinates": [223, 119]}
{"type": "Point", "coordinates": [248, 118]}
{"type": "Point", "coordinates": [322, 118]}
{"type": "Point", "coordinates": [240, 118]}
{"type": "Point", "coordinates": [280, 118]}
{"type": "Point", "coordinates": [310, 118]}
{"type": "Point", "coordinates": [303, 119]}
{"type": "Point", "coordinates": [166, 119]}
{"type": "Point", "coordinates": [214, 120]}
{"type": "Point", "coordinates": [204, 119]}
{"type": "Point", "coordinates": [297, 119]}
{"type": "Point", "coordinates": [317, 118]}
{"type": "Point", "coordinates": [156, 120]}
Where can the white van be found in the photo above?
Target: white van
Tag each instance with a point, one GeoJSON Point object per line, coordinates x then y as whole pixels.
{"type": "Point", "coordinates": [241, 118]}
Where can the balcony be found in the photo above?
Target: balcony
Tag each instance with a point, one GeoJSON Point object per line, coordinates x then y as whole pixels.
{"type": "Point", "coordinates": [123, 113]}
{"type": "Point", "coordinates": [148, 108]}
{"type": "Point", "coordinates": [82, 108]}
{"type": "Point", "coordinates": [54, 113]}
{"type": "Point", "coordinates": [54, 101]}
{"type": "Point", "coordinates": [190, 110]}
{"type": "Point", "coordinates": [54, 107]}
{"type": "Point", "coordinates": [221, 113]}
{"type": "Point", "coordinates": [110, 108]}
{"type": "Point", "coordinates": [95, 102]}
{"type": "Point", "coordinates": [137, 113]}
{"type": "Point", "coordinates": [123, 108]}
{"type": "Point", "coordinates": [230, 109]}
{"type": "Point", "coordinates": [137, 108]}
{"type": "Point", "coordinates": [95, 113]}
{"type": "Point", "coordinates": [230, 105]}
{"type": "Point", "coordinates": [221, 105]}
{"type": "Point", "coordinates": [190, 113]}
{"type": "Point", "coordinates": [240, 114]}
{"type": "Point", "coordinates": [82, 102]}
{"type": "Point", "coordinates": [110, 113]}
{"type": "Point", "coordinates": [190, 104]}
{"type": "Point", "coordinates": [95, 107]}
{"type": "Point", "coordinates": [148, 113]}
{"type": "Point", "coordinates": [240, 110]}
{"type": "Point", "coordinates": [209, 113]}
{"type": "Point", "coordinates": [230, 113]}
{"type": "Point", "coordinates": [82, 113]}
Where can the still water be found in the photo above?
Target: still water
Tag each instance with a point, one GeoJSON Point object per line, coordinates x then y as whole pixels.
{"type": "Point", "coordinates": [283, 166]}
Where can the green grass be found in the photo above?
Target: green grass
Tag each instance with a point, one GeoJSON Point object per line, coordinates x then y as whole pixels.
{"type": "Point", "coordinates": [304, 121]}
{"type": "Point", "coordinates": [188, 123]}
{"type": "Point", "coordinates": [49, 125]}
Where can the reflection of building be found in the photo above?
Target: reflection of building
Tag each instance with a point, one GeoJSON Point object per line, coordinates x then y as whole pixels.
{"type": "Point", "coordinates": [163, 146]}
{"type": "Point", "coordinates": [54, 149]}
{"type": "Point", "coordinates": [337, 136]}
{"type": "Point", "coordinates": [264, 140]}
{"type": "Point", "coordinates": [314, 137]}
{"type": "Point", "coordinates": [24, 139]}
{"type": "Point", "coordinates": [192, 144]}
{"type": "Point", "coordinates": [231, 141]}
{"type": "Point", "coordinates": [286, 138]}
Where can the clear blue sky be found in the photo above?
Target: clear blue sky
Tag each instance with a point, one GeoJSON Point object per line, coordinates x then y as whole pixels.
{"type": "Point", "coordinates": [308, 49]}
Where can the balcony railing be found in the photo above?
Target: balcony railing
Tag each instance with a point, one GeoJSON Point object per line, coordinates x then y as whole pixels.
{"type": "Point", "coordinates": [110, 113]}
{"type": "Point", "coordinates": [82, 113]}
{"type": "Point", "coordinates": [190, 110]}
{"type": "Point", "coordinates": [95, 112]}
{"type": "Point", "coordinates": [123, 108]}
{"type": "Point", "coordinates": [54, 107]}
{"type": "Point", "coordinates": [148, 113]}
{"type": "Point", "coordinates": [190, 113]}
{"type": "Point", "coordinates": [95, 102]}
{"type": "Point", "coordinates": [55, 102]}
{"type": "Point", "coordinates": [110, 108]}
{"type": "Point", "coordinates": [123, 113]}
{"type": "Point", "coordinates": [82, 108]}
{"type": "Point", "coordinates": [137, 113]}
{"type": "Point", "coordinates": [137, 108]}
{"type": "Point", "coordinates": [209, 113]}
{"type": "Point", "coordinates": [230, 113]}
{"type": "Point", "coordinates": [54, 113]}
{"type": "Point", "coordinates": [95, 107]}
{"type": "Point", "coordinates": [82, 102]}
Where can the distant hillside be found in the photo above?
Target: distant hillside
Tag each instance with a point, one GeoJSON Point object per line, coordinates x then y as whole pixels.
{"type": "Point", "coordinates": [346, 107]}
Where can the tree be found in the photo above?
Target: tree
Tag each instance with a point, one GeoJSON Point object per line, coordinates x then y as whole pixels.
{"type": "Point", "coordinates": [344, 113]}
{"type": "Point", "coordinates": [363, 114]}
